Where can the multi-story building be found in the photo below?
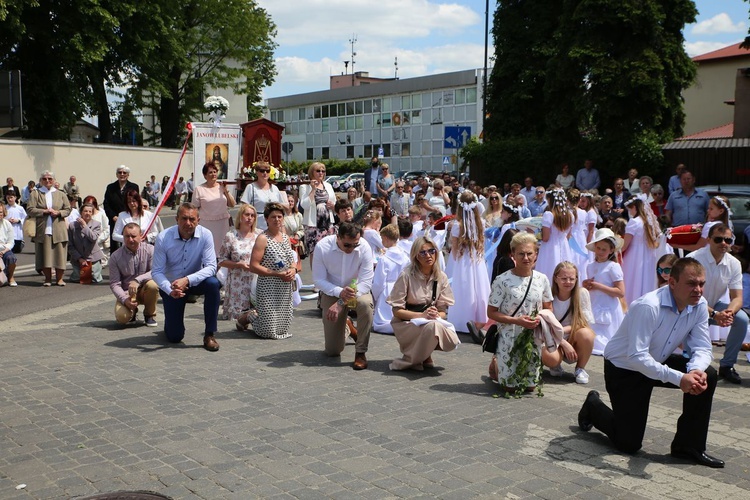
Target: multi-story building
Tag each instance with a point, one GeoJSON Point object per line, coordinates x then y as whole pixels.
{"type": "Point", "coordinates": [417, 123]}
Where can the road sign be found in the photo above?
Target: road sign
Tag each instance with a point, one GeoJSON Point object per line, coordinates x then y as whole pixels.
{"type": "Point", "coordinates": [287, 147]}
{"type": "Point", "coordinates": [446, 160]}
{"type": "Point", "coordinates": [456, 137]}
{"type": "Point", "coordinates": [381, 153]}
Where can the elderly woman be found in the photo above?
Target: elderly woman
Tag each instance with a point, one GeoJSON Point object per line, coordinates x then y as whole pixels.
{"type": "Point", "coordinates": [235, 255]}
{"type": "Point", "coordinates": [517, 296]}
{"type": "Point", "coordinates": [135, 213]}
{"type": "Point", "coordinates": [439, 200]}
{"type": "Point", "coordinates": [7, 243]}
{"type": "Point", "coordinates": [101, 218]}
{"type": "Point", "coordinates": [213, 201]}
{"type": "Point", "coordinates": [261, 192]}
{"type": "Point", "coordinates": [386, 183]}
{"type": "Point", "coordinates": [317, 200]}
{"type": "Point", "coordinates": [50, 206]}
{"type": "Point", "coordinates": [83, 235]}
{"type": "Point", "coordinates": [420, 299]}
{"type": "Point", "coordinates": [273, 261]}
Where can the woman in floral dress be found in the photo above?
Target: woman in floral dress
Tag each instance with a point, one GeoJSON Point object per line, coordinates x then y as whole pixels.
{"type": "Point", "coordinates": [235, 255]}
{"type": "Point", "coordinates": [508, 291]}
{"type": "Point", "coordinates": [273, 262]}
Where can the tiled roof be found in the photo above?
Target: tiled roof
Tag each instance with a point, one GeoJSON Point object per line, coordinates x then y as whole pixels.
{"type": "Point", "coordinates": [725, 53]}
{"type": "Point", "coordinates": [722, 132]}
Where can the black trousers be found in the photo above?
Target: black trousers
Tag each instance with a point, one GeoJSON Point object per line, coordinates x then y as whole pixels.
{"type": "Point", "coordinates": [630, 394]}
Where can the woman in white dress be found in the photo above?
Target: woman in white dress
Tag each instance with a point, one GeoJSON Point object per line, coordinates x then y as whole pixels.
{"type": "Point", "coordinates": [641, 250]}
{"type": "Point", "coordinates": [261, 192]}
{"type": "Point", "coordinates": [557, 222]}
{"type": "Point", "coordinates": [606, 287]}
{"type": "Point", "coordinates": [471, 282]}
{"type": "Point", "coordinates": [578, 234]}
{"type": "Point", "coordinates": [135, 213]}
{"type": "Point", "coordinates": [439, 200]}
{"type": "Point", "coordinates": [389, 267]}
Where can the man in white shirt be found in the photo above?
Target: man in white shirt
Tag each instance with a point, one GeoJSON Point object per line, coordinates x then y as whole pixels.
{"type": "Point", "coordinates": [640, 357]}
{"type": "Point", "coordinates": [724, 272]}
{"type": "Point", "coordinates": [340, 259]}
{"type": "Point", "coordinates": [528, 191]}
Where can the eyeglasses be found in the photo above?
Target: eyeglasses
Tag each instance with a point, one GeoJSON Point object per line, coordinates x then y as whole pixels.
{"type": "Point", "coordinates": [47, 178]}
{"type": "Point", "coordinates": [494, 198]}
{"type": "Point", "coordinates": [320, 171]}
{"type": "Point", "coordinates": [719, 239]}
{"type": "Point", "coordinates": [350, 245]}
{"type": "Point", "coordinates": [663, 270]}
{"type": "Point", "coordinates": [540, 192]}
{"type": "Point", "coordinates": [429, 251]}
{"type": "Point", "coordinates": [122, 173]}
{"type": "Point", "coordinates": [263, 170]}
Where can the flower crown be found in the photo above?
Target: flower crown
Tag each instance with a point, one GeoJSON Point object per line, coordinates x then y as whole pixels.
{"type": "Point", "coordinates": [510, 208]}
{"type": "Point", "coordinates": [723, 204]}
{"type": "Point", "coordinates": [630, 201]}
{"type": "Point", "coordinates": [559, 200]}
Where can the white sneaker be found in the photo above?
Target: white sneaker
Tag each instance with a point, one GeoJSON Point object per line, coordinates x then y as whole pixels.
{"type": "Point", "coordinates": [581, 376]}
{"type": "Point", "coordinates": [557, 371]}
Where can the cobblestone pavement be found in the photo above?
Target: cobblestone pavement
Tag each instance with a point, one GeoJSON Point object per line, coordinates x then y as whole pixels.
{"type": "Point", "coordinates": [87, 407]}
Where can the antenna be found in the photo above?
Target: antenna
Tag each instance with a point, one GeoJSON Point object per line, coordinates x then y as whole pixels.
{"type": "Point", "coordinates": [395, 63]}
{"type": "Point", "coordinates": [352, 41]}
{"type": "Point", "coordinates": [346, 67]}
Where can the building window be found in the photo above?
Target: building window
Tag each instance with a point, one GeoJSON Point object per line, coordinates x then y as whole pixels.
{"type": "Point", "coordinates": [349, 123]}
{"type": "Point", "coordinates": [386, 105]}
{"type": "Point", "coordinates": [471, 95]}
{"type": "Point", "coordinates": [448, 97]}
{"type": "Point", "coordinates": [350, 151]}
{"type": "Point", "coordinates": [325, 125]}
{"type": "Point", "coordinates": [376, 105]}
{"type": "Point", "coordinates": [358, 107]}
{"type": "Point", "coordinates": [416, 101]}
{"type": "Point", "coordinates": [368, 150]}
{"type": "Point", "coordinates": [406, 149]}
{"type": "Point", "coordinates": [326, 153]}
{"type": "Point", "coordinates": [301, 114]}
{"type": "Point", "coordinates": [368, 106]}
{"type": "Point", "coordinates": [386, 150]}
{"type": "Point", "coordinates": [460, 96]}
{"type": "Point", "coordinates": [385, 120]}
{"type": "Point", "coordinates": [324, 111]}
{"type": "Point", "coordinates": [332, 107]}
{"type": "Point", "coordinates": [342, 123]}
{"type": "Point", "coordinates": [416, 117]}
{"type": "Point", "coordinates": [342, 109]}
{"type": "Point", "coordinates": [349, 108]}
{"type": "Point", "coordinates": [406, 102]}
{"type": "Point", "coordinates": [310, 154]}
{"type": "Point", "coordinates": [359, 122]}
{"type": "Point", "coordinates": [287, 115]}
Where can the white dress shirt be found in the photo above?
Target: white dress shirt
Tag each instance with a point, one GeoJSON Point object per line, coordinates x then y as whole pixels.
{"type": "Point", "coordinates": [333, 269]}
{"type": "Point", "coordinates": [652, 330]}
{"type": "Point", "coordinates": [727, 274]}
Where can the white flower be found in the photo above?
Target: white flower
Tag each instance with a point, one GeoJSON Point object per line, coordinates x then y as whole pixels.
{"type": "Point", "coordinates": [216, 103]}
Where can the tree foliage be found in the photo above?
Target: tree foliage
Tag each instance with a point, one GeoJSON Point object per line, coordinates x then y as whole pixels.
{"type": "Point", "coordinates": [164, 54]}
{"type": "Point", "coordinates": [590, 75]}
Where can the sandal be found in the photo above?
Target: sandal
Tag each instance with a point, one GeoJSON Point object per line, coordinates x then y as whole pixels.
{"type": "Point", "coordinates": [60, 283]}
{"type": "Point", "coordinates": [47, 283]}
{"type": "Point", "coordinates": [12, 283]}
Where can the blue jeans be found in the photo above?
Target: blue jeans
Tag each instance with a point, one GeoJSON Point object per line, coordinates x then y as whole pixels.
{"type": "Point", "coordinates": [736, 336]}
{"type": "Point", "coordinates": [174, 309]}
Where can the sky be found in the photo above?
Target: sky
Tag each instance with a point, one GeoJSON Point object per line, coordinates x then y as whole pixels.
{"type": "Point", "coordinates": [424, 36]}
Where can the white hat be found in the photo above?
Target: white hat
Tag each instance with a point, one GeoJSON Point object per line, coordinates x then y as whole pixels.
{"type": "Point", "coordinates": [606, 234]}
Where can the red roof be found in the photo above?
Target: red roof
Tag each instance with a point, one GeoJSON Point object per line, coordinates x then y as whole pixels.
{"type": "Point", "coordinates": [725, 53]}
{"type": "Point", "coordinates": [723, 132]}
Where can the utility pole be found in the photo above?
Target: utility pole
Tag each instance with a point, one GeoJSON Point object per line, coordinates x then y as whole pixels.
{"type": "Point", "coordinates": [352, 41]}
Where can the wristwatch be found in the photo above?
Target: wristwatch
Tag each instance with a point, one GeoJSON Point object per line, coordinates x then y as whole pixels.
{"type": "Point", "coordinates": [340, 302]}
{"type": "Point", "coordinates": [713, 313]}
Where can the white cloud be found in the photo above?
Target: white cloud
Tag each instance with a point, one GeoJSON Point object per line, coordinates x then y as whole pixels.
{"type": "Point", "coordinates": [316, 21]}
{"type": "Point", "coordinates": [699, 48]}
{"type": "Point", "coordinates": [720, 23]}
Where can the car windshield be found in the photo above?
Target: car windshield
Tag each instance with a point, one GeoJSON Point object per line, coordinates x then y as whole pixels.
{"type": "Point", "coordinates": [740, 206]}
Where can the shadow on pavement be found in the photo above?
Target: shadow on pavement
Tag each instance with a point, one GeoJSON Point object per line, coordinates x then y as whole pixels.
{"type": "Point", "coordinates": [487, 388]}
{"type": "Point", "coordinates": [287, 359]}
{"type": "Point", "coordinates": [152, 342]}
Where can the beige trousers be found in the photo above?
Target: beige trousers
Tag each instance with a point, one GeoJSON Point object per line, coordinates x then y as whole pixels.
{"type": "Point", "coordinates": [335, 332]}
{"type": "Point", "coordinates": [148, 294]}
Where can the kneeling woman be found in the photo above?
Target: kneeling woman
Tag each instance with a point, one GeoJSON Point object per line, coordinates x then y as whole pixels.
{"type": "Point", "coordinates": [420, 299]}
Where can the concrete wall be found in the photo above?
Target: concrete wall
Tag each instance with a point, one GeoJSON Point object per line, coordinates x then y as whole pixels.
{"type": "Point", "coordinates": [93, 164]}
{"type": "Point", "coordinates": [704, 100]}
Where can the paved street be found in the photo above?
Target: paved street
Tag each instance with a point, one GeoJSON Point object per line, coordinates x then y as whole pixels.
{"type": "Point", "coordinates": [87, 407]}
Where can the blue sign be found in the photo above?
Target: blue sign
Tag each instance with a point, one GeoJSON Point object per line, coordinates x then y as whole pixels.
{"type": "Point", "coordinates": [446, 160]}
{"type": "Point", "coordinates": [381, 153]}
{"type": "Point", "coordinates": [456, 137]}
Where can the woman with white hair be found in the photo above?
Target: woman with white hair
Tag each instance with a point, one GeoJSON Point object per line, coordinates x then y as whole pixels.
{"type": "Point", "coordinates": [50, 206]}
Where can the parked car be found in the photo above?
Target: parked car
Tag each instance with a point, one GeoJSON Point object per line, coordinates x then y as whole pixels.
{"type": "Point", "coordinates": [739, 201]}
{"type": "Point", "coordinates": [348, 180]}
{"type": "Point", "coordinates": [411, 175]}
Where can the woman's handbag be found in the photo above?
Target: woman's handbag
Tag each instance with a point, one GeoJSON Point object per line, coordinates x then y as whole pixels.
{"type": "Point", "coordinates": [423, 307]}
{"type": "Point", "coordinates": [29, 227]}
{"type": "Point", "coordinates": [86, 276]}
{"type": "Point", "coordinates": [492, 336]}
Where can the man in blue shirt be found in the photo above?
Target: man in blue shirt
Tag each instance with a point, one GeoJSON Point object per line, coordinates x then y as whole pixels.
{"type": "Point", "coordinates": [588, 177]}
{"type": "Point", "coordinates": [687, 205]}
{"type": "Point", "coordinates": [371, 177]}
{"type": "Point", "coordinates": [674, 181]}
{"type": "Point", "coordinates": [538, 204]}
{"type": "Point", "coordinates": [640, 357]}
{"type": "Point", "coordinates": [185, 264]}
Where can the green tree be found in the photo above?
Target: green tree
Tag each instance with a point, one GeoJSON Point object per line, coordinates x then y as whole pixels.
{"type": "Point", "coordinates": [202, 44]}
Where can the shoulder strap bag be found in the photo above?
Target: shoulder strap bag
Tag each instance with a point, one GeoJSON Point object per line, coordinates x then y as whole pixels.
{"type": "Point", "coordinates": [493, 335]}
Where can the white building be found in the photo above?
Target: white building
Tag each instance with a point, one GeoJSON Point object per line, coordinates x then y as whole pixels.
{"type": "Point", "coordinates": [417, 122]}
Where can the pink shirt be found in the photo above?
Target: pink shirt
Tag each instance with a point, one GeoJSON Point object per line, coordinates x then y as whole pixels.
{"type": "Point", "coordinates": [211, 201]}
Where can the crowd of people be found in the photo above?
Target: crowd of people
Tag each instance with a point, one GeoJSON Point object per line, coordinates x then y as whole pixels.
{"type": "Point", "coordinates": [544, 276]}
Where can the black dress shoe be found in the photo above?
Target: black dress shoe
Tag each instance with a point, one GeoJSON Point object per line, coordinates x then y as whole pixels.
{"type": "Point", "coordinates": [699, 457]}
{"type": "Point", "coordinates": [584, 416]}
{"type": "Point", "coordinates": [729, 374]}
{"type": "Point", "coordinates": [476, 334]}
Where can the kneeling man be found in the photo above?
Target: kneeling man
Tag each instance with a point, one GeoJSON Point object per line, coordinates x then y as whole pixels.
{"type": "Point", "coordinates": [130, 277]}
{"type": "Point", "coordinates": [640, 357]}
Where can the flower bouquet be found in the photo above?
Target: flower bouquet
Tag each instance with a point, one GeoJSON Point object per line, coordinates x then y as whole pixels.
{"type": "Point", "coordinates": [526, 353]}
{"type": "Point", "coordinates": [277, 174]}
{"type": "Point", "coordinates": [248, 173]}
{"type": "Point", "coordinates": [217, 107]}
